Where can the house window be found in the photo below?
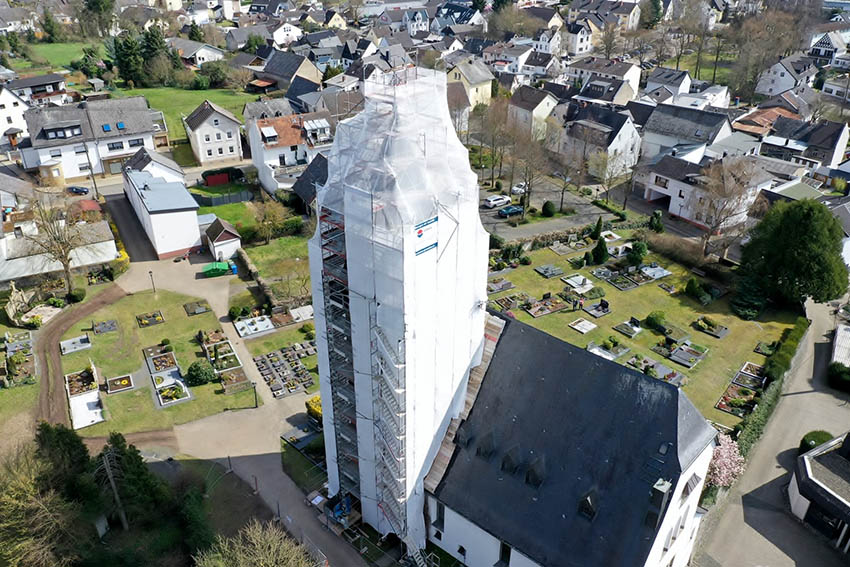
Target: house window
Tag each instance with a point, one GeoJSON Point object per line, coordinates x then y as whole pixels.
{"type": "Point", "coordinates": [115, 146]}
{"type": "Point", "coordinates": [461, 550]}
{"type": "Point", "coordinates": [504, 554]}
{"type": "Point", "coordinates": [206, 137]}
{"type": "Point", "coordinates": [438, 535]}
{"type": "Point", "coordinates": [209, 152]}
{"type": "Point", "coordinates": [83, 166]}
{"type": "Point", "coordinates": [661, 181]}
{"type": "Point", "coordinates": [55, 172]}
{"type": "Point", "coordinates": [136, 142]}
{"type": "Point", "coordinates": [230, 149]}
{"type": "Point", "coordinates": [51, 135]}
{"type": "Point", "coordinates": [79, 149]}
{"type": "Point", "coordinates": [218, 135]}
{"type": "Point", "coordinates": [230, 134]}
{"type": "Point", "coordinates": [2, 106]}
{"type": "Point", "coordinates": [215, 122]}
{"type": "Point", "coordinates": [440, 522]}
{"type": "Point", "coordinates": [8, 120]}
{"type": "Point", "coordinates": [221, 151]}
{"type": "Point", "coordinates": [293, 148]}
{"type": "Point", "coordinates": [14, 104]}
{"type": "Point", "coordinates": [681, 194]}
{"type": "Point", "coordinates": [55, 153]}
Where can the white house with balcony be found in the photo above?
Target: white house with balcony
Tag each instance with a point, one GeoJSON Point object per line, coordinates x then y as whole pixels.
{"type": "Point", "coordinates": [282, 147]}
{"type": "Point", "coordinates": [213, 133]}
{"type": "Point", "coordinates": [72, 141]}
{"type": "Point", "coordinates": [12, 108]}
{"type": "Point", "coordinates": [40, 90]}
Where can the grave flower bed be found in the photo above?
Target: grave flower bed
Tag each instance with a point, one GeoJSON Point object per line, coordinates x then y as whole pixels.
{"type": "Point", "coordinates": [753, 369]}
{"type": "Point", "coordinates": [98, 277]}
{"type": "Point", "coordinates": [226, 362]}
{"type": "Point", "coordinates": [622, 283]}
{"type": "Point", "coordinates": [766, 349]}
{"type": "Point", "coordinates": [234, 381]}
{"type": "Point", "coordinates": [641, 362]}
{"type": "Point", "coordinates": [639, 277]}
{"type": "Point", "coordinates": [737, 400]}
{"type": "Point", "coordinates": [150, 319]}
{"type": "Point", "coordinates": [711, 327]}
{"type": "Point", "coordinates": [119, 384]}
{"type": "Point", "coordinates": [163, 362]}
{"type": "Point", "coordinates": [81, 382]}
{"type": "Point", "coordinates": [748, 381]}
{"type": "Point", "coordinates": [171, 394]}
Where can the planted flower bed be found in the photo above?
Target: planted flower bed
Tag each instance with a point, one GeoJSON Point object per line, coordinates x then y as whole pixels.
{"type": "Point", "coordinates": [196, 308]}
{"type": "Point", "coordinates": [163, 362]}
{"type": "Point", "coordinates": [622, 283]}
{"type": "Point", "coordinates": [641, 362]}
{"type": "Point", "coordinates": [119, 384]}
{"type": "Point", "coordinates": [97, 277]}
{"type": "Point", "coordinates": [737, 400]}
{"type": "Point", "coordinates": [234, 380]}
{"type": "Point", "coordinates": [753, 369]}
{"type": "Point", "coordinates": [209, 338]}
{"type": "Point", "coordinates": [105, 326]}
{"type": "Point", "coordinates": [81, 382]}
{"type": "Point", "coordinates": [150, 319]}
{"type": "Point", "coordinates": [171, 394]}
{"type": "Point", "coordinates": [711, 327]}
{"type": "Point", "coordinates": [688, 355]}
{"type": "Point", "coordinates": [639, 277]}
{"type": "Point", "coordinates": [766, 349]}
{"type": "Point", "coordinates": [748, 381]}
{"type": "Point", "coordinates": [226, 362]}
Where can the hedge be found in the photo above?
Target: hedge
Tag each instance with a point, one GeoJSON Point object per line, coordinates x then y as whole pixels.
{"type": "Point", "coordinates": [813, 439]}
{"type": "Point", "coordinates": [751, 427]}
{"type": "Point", "coordinates": [618, 212]}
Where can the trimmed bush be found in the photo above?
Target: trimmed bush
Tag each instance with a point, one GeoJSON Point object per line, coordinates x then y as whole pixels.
{"type": "Point", "coordinates": [597, 229]}
{"type": "Point", "coordinates": [200, 372]}
{"type": "Point", "coordinates": [525, 260]}
{"type": "Point", "coordinates": [498, 185]}
{"type": "Point", "coordinates": [618, 212]}
{"type": "Point", "coordinates": [234, 313]}
{"type": "Point", "coordinates": [77, 295]}
{"type": "Point", "coordinates": [813, 439]}
{"type": "Point", "coordinates": [838, 376]}
{"type": "Point", "coordinates": [165, 342]}
{"type": "Point", "coordinates": [637, 253]}
{"type": "Point", "coordinates": [246, 311]}
{"type": "Point", "coordinates": [549, 209]}
{"type": "Point", "coordinates": [656, 320]}
{"type": "Point", "coordinates": [655, 223]}
{"type": "Point", "coordinates": [600, 251]}
{"type": "Point", "coordinates": [496, 242]}
{"type": "Point", "coordinates": [306, 327]}
{"type": "Point", "coordinates": [56, 302]}
{"type": "Point", "coordinates": [588, 258]}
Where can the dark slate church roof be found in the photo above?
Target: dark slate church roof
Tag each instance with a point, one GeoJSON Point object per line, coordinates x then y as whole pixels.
{"type": "Point", "coordinates": [586, 427]}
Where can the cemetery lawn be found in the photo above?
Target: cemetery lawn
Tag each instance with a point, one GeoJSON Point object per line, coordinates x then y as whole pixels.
{"type": "Point", "coordinates": [284, 338]}
{"type": "Point", "coordinates": [709, 378]}
{"type": "Point", "coordinates": [279, 256]}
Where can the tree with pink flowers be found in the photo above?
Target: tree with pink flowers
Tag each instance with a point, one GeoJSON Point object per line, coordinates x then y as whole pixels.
{"type": "Point", "coordinates": [727, 464]}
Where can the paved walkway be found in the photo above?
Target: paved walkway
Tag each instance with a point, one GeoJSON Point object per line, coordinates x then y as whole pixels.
{"type": "Point", "coordinates": [754, 527]}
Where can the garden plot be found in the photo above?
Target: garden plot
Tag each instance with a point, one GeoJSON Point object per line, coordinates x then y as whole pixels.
{"type": "Point", "coordinates": [75, 344]}
{"type": "Point", "coordinates": [513, 301]}
{"type": "Point", "coordinates": [196, 308]}
{"type": "Point", "coordinates": [102, 327]}
{"type": "Point", "coordinates": [497, 285]}
{"type": "Point", "coordinates": [578, 283]}
{"type": "Point", "coordinates": [748, 381]}
{"type": "Point", "coordinates": [601, 272]}
{"type": "Point", "coordinates": [622, 282]}
{"type": "Point", "coordinates": [159, 358]}
{"type": "Point", "coordinates": [753, 369]}
{"type": "Point", "coordinates": [630, 328]}
{"type": "Point", "coordinates": [170, 388]}
{"type": "Point", "coordinates": [119, 384]}
{"type": "Point", "coordinates": [254, 326]}
{"type": "Point", "coordinates": [710, 327]}
{"type": "Point", "coordinates": [150, 319]}
{"type": "Point", "coordinates": [549, 271]}
{"type": "Point", "coordinates": [546, 306]}
{"type": "Point", "coordinates": [637, 276]}
{"type": "Point", "coordinates": [222, 356]}
{"type": "Point", "coordinates": [83, 398]}
{"type": "Point", "coordinates": [765, 349]}
{"type": "Point", "coordinates": [598, 310]}
{"type": "Point", "coordinates": [19, 342]}
{"type": "Point", "coordinates": [737, 400]}
{"type": "Point", "coordinates": [98, 277]}
{"type": "Point", "coordinates": [667, 374]}
{"type": "Point", "coordinates": [610, 349]}
{"type": "Point", "coordinates": [688, 354]}
{"type": "Point", "coordinates": [234, 380]}
{"type": "Point", "coordinates": [44, 311]}
{"type": "Point", "coordinates": [582, 325]}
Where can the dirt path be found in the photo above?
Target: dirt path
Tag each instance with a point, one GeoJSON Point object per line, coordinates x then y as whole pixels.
{"type": "Point", "coordinates": [52, 406]}
{"type": "Point", "coordinates": [163, 439]}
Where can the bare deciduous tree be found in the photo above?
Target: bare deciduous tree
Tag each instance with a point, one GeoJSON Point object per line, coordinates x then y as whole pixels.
{"type": "Point", "coordinates": [270, 216]}
{"type": "Point", "coordinates": [57, 237]}
{"type": "Point", "coordinates": [608, 170]}
{"type": "Point", "coordinates": [532, 163]}
{"type": "Point", "coordinates": [610, 39]}
{"type": "Point", "coordinates": [256, 544]}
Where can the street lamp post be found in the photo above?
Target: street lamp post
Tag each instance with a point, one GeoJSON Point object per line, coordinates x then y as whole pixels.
{"type": "Point", "coordinates": [153, 285]}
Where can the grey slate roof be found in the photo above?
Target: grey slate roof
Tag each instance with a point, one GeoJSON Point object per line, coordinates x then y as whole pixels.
{"type": "Point", "coordinates": [186, 47]}
{"type": "Point", "coordinates": [300, 86]}
{"type": "Point", "coordinates": [204, 111]}
{"type": "Point", "coordinates": [675, 168]}
{"type": "Point", "coordinates": [585, 425]}
{"type": "Point", "coordinates": [602, 65]}
{"type": "Point", "coordinates": [685, 123]}
{"type": "Point", "coordinates": [35, 81]}
{"type": "Point", "coordinates": [667, 76]}
{"type": "Point", "coordinates": [316, 175]}
{"type": "Point", "coordinates": [600, 88]}
{"type": "Point", "coordinates": [90, 116]}
{"type": "Point", "coordinates": [267, 108]}
{"type": "Point", "coordinates": [595, 114]}
{"type": "Point", "coordinates": [144, 157]}
{"type": "Point", "coordinates": [823, 134]}
{"type": "Point", "coordinates": [474, 71]}
{"type": "Point", "coordinates": [160, 196]}
{"type": "Point", "coordinates": [241, 35]}
{"type": "Point", "coordinates": [284, 64]}
{"type": "Point", "coordinates": [528, 98]}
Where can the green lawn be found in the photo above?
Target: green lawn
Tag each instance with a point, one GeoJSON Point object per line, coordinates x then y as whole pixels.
{"type": "Point", "coordinates": [225, 189]}
{"type": "Point", "coordinates": [280, 256]}
{"type": "Point", "coordinates": [707, 381]}
{"type": "Point", "coordinates": [58, 54]}
{"type": "Point", "coordinates": [16, 400]}
{"type": "Point", "coordinates": [182, 154]}
{"type": "Point", "coordinates": [250, 298]}
{"type": "Point", "coordinates": [277, 340]}
{"type": "Point", "coordinates": [241, 215]}
{"type": "Point", "coordinates": [134, 411]}
{"type": "Point", "coordinates": [724, 66]}
{"type": "Point", "coordinates": [175, 102]}
{"type": "Point", "coordinates": [304, 473]}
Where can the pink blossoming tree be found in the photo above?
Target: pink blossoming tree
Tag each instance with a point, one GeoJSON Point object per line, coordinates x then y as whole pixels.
{"type": "Point", "coordinates": [727, 464]}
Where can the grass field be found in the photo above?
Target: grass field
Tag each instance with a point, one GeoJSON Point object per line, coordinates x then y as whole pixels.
{"type": "Point", "coordinates": [241, 215]}
{"type": "Point", "coordinates": [689, 63]}
{"type": "Point", "coordinates": [280, 256]}
{"type": "Point", "coordinates": [182, 154]}
{"type": "Point", "coordinates": [174, 102]}
{"type": "Point", "coordinates": [218, 190]}
{"type": "Point", "coordinates": [58, 54]}
{"type": "Point", "coordinates": [15, 400]}
{"type": "Point", "coordinates": [709, 378]}
{"type": "Point", "coordinates": [305, 474]}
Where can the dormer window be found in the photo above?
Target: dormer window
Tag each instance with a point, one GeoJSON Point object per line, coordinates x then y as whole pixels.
{"type": "Point", "coordinates": [106, 128]}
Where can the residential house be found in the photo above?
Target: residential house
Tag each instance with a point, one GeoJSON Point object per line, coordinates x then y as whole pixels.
{"type": "Point", "coordinates": [315, 176]}
{"type": "Point", "coordinates": [759, 121]}
{"type": "Point", "coordinates": [830, 46]}
{"type": "Point", "coordinates": [476, 78]}
{"type": "Point", "coordinates": [197, 13]}
{"type": "Point", "coordinates": [12, 108]}
{"type": "Point", "coordinates": [452, 14]}
{"type": "Point", "coordinates": [786, 74]}
{"type": "Point", "coordinates": [266, 108]}
{"type": "Point", "coordinates": [581, 70]}
{"type": "Point", "coordinates": [600, 90]}
{"type": "Point", "coordinates": [282, 147]}
{"type": "Point", "coordinates": [236, 38]}
{"type": "Point", "coordinates": [298, 88]}
{"type": "Point", "coordinates": [286, 33]}
{"type": "Point", "coordinates": [679, 186]}
{"type": "Point", "coordinates": [516, 484]}
{"type": "Point", "coordinates": [156, 164]}
{"type": "Point", "coordinates": [41, 89]}
{"type": "Point", "coordinates": [506, 57]}
{"type": "Point", "coordinates": [222, 239]}
{"type": "Point", "coordinates": [213, 133]}
{"type": "Point", "coordinates": [801, 100]}
{"type": "Point", "coordinates": [528, 110]}
{"type": "Point", "coordinates": [820, 480]}
{"type": "Point", "coordinates": [339, 103]}
{"type": "Point", "coordinates": [670, 126]}
{"type": "Point", "coordinates": [194, 53]}
{"type": "Point", "coordinates": [550, 17]}
{"type": "Point", "coordinates": [677, 82]}
{"type": "Point", "coordinates": [16, 20]}
{"type": "Point", "coordinates": [539, 64]}
{"type": "Point", "coordinates": [72, 141]}
{"type": "Point", "coordinates": [412, 21]}
{"type": "Point", "coordinates": [459, 106]}
{"type": "Point", "coordinates": [814, 143]}
{"type": "Point", "coordinates": [283, 66]}
{"type": "Point", "coordinates": [166, 210]}
{"type": "Point", "coordinates": [578, 38]}
{"type": "Point", "coordinates": [594, 129]}
{"type": "Point", "coordinates": [837, 86]}
{"type": "Point", "coordinates": [546, 41]}
{"type": "Point", "coordinates": [334, 20]}
{"type": "Point", "coordinates": [228, 10]}
{"type": "Point", "coordinates": [272, 8]}
{"type": "Point", "coordinates": [627, 13]}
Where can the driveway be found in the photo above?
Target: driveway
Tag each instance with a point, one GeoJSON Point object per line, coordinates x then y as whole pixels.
{"type": "Point", "coordinates": [754, 527]}
{"type": "Point", "coordinates": [139, 248]}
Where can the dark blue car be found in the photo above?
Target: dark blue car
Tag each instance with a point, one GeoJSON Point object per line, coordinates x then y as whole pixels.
{"type": "Point", "coordinates": [510, 211]}
{"type": "Point", "coordinates": [78, 190]}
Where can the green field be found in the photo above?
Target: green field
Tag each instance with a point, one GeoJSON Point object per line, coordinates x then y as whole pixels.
{"type": "Point", "coordinates": [174, 102]}
{"type": "Point", "coordinates": [15, 400]}
{"type": "Point", "coordinates": [709, 378]}
{"type": "Point", "coordinates": [182, 154]}
{"type": "Point", "coordinates": [724, 66]}
{"type": "Point", "coordinates": [58, 54]}
{"type": "Point", "coordinates": [280, 256]}
{"type": "Point", "coordinates": [241, 215]}
{"type": "Point", "coordinates": [224, 189]}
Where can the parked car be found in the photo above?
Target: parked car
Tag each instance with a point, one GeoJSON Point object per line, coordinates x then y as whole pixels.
{"type": "Point", "coordinates": [518, 189]}
{"type": "Point", "coordinates": [497, 201]}
{"type": "Point", "coordinates": [510, 211]}
{"type": "Point", "coordinates": [78, 190]}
